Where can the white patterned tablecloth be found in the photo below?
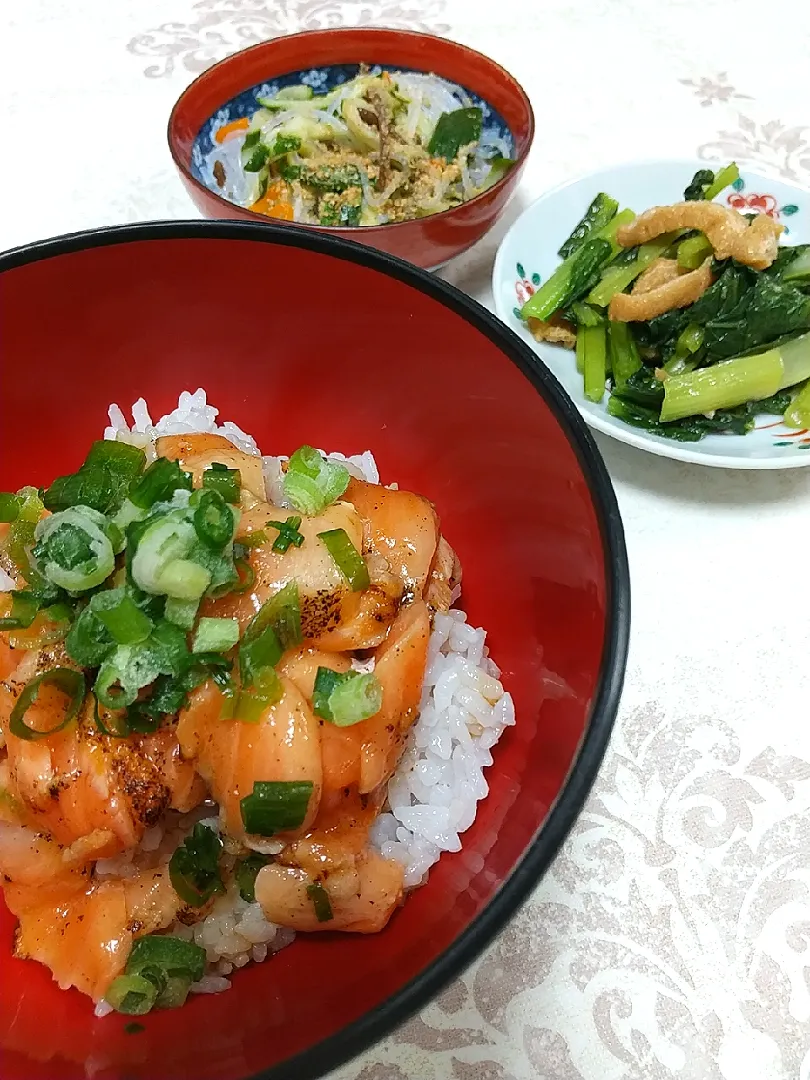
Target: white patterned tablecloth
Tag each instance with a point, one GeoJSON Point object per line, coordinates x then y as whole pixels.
{"type": "Point", "coordinates": [671, 940]}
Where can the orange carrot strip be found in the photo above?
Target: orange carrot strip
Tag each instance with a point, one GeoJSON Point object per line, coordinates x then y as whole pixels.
{"type": "Point", "coordinates": [227, 130]}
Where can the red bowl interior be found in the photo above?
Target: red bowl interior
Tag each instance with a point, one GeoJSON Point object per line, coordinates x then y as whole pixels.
{"type": "Point", "coordinates": [427, 242]}
{"type": "Point", "coordinates": [376, 355]}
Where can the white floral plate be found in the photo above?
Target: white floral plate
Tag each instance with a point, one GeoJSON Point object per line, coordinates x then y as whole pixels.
{"type": "Point", "coordinates": [528, 254]}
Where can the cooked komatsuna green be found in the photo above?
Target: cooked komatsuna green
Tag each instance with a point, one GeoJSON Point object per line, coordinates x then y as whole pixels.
{"type": "Point", "coordinates": [692, 317]}
{"type": "Point", "coordinates": [174, 640]}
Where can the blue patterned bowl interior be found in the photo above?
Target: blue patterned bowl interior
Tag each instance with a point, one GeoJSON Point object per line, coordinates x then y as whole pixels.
{"type": "Point", "coordinates": [321, 80]}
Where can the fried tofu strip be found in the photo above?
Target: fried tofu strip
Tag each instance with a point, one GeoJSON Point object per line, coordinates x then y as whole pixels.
{"type": "Point", "coordinates": [679, 292]}
{"type": "Point", "coordinates": [556, 330]}
{"type": "Point", "coordinates": [661, 272]}
{"type": "Point", "coordinates": [730, 234]}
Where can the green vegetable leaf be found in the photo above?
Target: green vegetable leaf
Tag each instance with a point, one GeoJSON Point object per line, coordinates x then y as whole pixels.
{"type": "Point", "coordinates": [601, 211]}
{"type": "Point", "coordinates": [455, 130]}
{"type": "Point", "coordinates": [256, 158]}
{"type": "Point", "coordinates": [696, 189]}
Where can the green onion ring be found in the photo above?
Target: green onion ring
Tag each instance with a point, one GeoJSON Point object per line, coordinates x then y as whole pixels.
{"type": "Point", "coordinates": [69, 681]}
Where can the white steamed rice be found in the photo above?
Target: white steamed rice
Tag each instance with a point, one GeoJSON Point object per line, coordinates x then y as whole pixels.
{"type": "Point", "coordinates": [433, 794]}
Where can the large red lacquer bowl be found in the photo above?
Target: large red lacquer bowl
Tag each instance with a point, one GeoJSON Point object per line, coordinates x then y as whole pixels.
{"type": "Point", "coordinates": [299, 337]}
{"type": "Point", "coordinates": [429, 241]}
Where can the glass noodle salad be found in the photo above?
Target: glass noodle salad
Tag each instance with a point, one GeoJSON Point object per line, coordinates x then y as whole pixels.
{"type": "Point", "coordinates": [693, 317]}
{"type": "Point", "coordinates": [382, 147]}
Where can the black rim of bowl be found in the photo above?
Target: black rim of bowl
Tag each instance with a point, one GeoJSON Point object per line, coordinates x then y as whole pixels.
{"type": "Point", "coordinates": [346, 1044]}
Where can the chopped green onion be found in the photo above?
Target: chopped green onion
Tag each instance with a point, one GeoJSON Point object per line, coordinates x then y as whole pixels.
{"type": "Point", "coordinates": [170, 692]}
{"type": "Point", "coordinates": [215, 635]}
{"type": "Point", "coordinates": [194, 867]}
{"type": "Point", "coordinates": [127, 460]}
{"type": "Point", "coordinates": [287, 534]}
{"type": "Point", "coordinates": [120, 729]}
{"type": "Point", "coordinates": [347, 558]}
{"type": "Point", "coordinates": [346, 698]}
{"type": "Point", "coordinates": [173, 955]}
{"type": "Point", "coordinates": [159, 564]}
{"type": "Point", "coordinates": [253, 539]}
{"type": "Point", "coordinates": [175, 993]}
{"type": "Point", "coordinates": [213, 519]}
{"type": "Point", "coordinates": [127, 624]}
{"type": "Point", "coordinates": [73, 551]}
{"type": "Point", "coordinates": [130, 668]}
{"type": "Point", "coordinates": [132, 995]}
{"type": "Point", "coordinates": [312, 483]}
{"type": "Point", "coordinates": [184, 579]}
{"type": "Point", "coordinates": [134, 1028]}
{"type": "Point", "coordinates": [127, 513]}
{"type": "Point", "coordinates": [88, 641]}
{"type": "Point", "coordinates": [159, 974]}
{"type": "Point", "coordinates": [224, 481]}
{"type": "Point", "coordinates": [251, 703]}
{"type": "Point", "coordinates": [159, 483]}
{"type": "Point", "coordinates": [320, 901]}
{"type": "Point", "coordinates": [275, 806]}
{"type": "Point", "coordinates": [24, 609]}
{"type": "Point", "coordinates": [170, 647]}
{"type": "Point", "coordinates": [67, 681]}
{"type": "Point", "coordinates": [9, 506]}
{"type": "Point", "coordinates": [182, 612]}
{"type": "Point", "coordinates": [51, 628]}
{"type": "Point", "coordinates": [246, 575]}
{"type": "Point", "coordinates": [275, 626]}
{"type": "Point", "coordinates": [21, 534]}
{"type": "Point", "coordinates": [219, 564]}
{"type": "Point", "coordinates": [247, 870]}
{"type": "Point", "coordinates": [102, 481]}
{"type": "Point", "coordinates": [260, 648]}
{"type": "Point", "coordinates": [59, 612]}
{"type": "Point", "coordinates": [124, 674]}
{"type": "Point", "coordinates": [283, 612]}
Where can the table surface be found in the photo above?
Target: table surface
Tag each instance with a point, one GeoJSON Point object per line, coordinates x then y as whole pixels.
{"type": "Point", "coordinates": [671, 939]}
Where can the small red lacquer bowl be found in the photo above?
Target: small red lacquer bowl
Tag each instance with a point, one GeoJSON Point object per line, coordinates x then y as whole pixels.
{"type": "Point", "coordinates": [301, 338]}
{"type": "Point", "coordinates": [428, 242]}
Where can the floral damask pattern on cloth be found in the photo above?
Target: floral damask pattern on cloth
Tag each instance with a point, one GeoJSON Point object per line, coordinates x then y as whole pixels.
{"type": "Point", "coordinates": [691, 853]}
{"type": "Point", "coordinates": [221, 27]}
{"type": "Point", "coordinates": [771, 146]}
{"type": "Point", "coordinates": [713, 90]}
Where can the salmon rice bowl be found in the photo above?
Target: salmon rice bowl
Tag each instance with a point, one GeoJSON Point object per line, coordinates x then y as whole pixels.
{"type": "Point", "coordinates": [237, 703]}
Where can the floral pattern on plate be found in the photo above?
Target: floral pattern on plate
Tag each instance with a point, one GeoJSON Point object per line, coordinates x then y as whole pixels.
{"type": "Point", "coordinates": [759, 203]}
